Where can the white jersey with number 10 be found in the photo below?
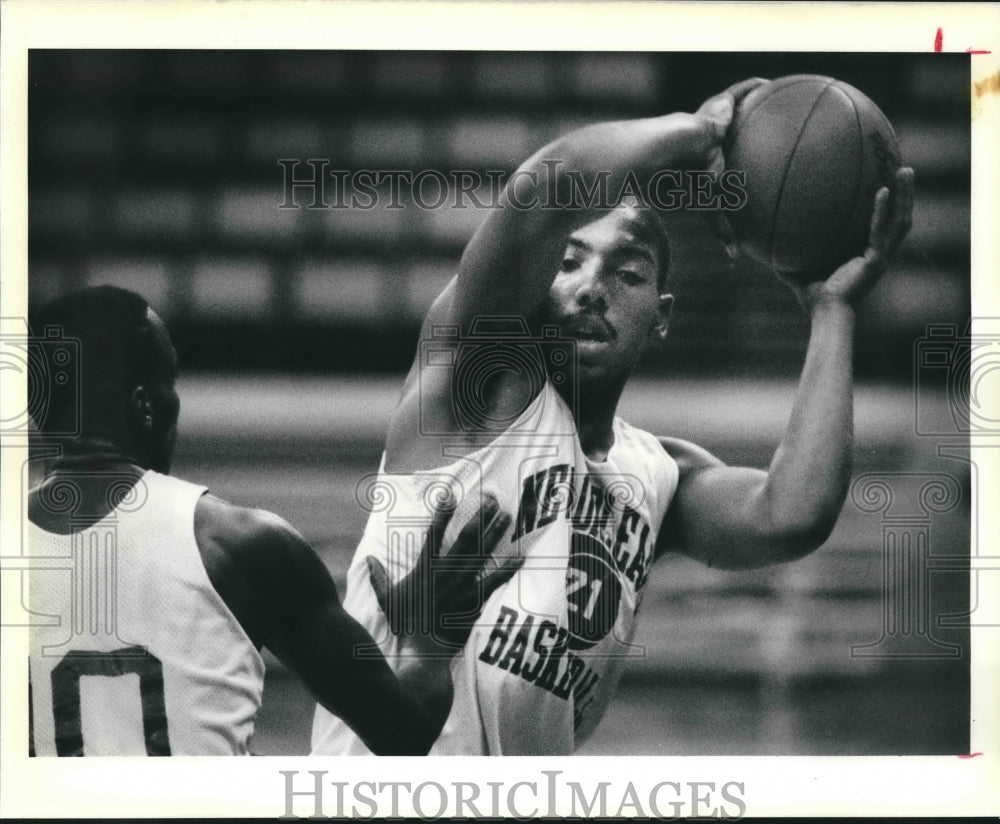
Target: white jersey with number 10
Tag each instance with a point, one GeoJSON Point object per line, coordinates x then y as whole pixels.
{"type": "Point", "coordinates": [133, 652]}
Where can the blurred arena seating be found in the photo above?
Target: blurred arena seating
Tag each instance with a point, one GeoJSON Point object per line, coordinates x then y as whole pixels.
{"type": "Point", "coordinates": [160, 171]}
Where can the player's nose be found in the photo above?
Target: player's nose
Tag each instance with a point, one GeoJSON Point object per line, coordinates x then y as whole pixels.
{"type": "Point", "coordinates": [589, 286]}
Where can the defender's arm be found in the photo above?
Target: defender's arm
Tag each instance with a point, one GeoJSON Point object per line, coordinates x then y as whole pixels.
{"type": "Point", "coordinates": [283, 595]}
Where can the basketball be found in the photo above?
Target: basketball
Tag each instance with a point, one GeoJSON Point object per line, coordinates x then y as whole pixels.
{"type": "Point", "coordinates": [814, 150]}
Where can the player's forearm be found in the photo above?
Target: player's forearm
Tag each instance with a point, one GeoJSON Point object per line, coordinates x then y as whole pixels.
{"type": "Point", "coordinates": [609, 159]}
{"type": "Point", "coordinates": [414, 718]}
{"type": "Point", "coordinates": [427, 681]}
{"type": "Point", "coordinates": [342, 666]}
{"type": "Point", "coordinates": [809, 475]}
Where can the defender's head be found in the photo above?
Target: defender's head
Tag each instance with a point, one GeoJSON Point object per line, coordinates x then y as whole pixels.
{"type": "Point", "coordinates": [126, 398]}
{"type": "Point", "coordinates": [610, 294]}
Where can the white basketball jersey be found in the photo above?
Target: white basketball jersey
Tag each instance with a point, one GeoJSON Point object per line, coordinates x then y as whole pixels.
{"type": "Point", "coordinates": [543, 661]}
{"type": "Point", "coordinates": [138, 654]}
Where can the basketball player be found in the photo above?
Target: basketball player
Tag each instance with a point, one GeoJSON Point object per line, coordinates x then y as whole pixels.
{"type": "Point", "coordinates": [164, 594]}
{"type": "Point", "coordinates": [596, 500]}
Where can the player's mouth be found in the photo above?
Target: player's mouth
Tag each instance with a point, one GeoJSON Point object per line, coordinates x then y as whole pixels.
{"type": "Point", "coordinates": [588, 328]}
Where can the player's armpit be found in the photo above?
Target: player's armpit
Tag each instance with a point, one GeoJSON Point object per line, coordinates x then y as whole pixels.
{"type": "Point", "coordinates": [726, 517]}
{"type": "Point", "coordinates": [688, 456]}
{"type": "Point", "coordinates": [426, 404]}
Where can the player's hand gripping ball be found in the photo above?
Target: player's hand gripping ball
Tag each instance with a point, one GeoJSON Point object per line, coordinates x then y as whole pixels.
{"type": "Point", "coordinates": [814, 151]}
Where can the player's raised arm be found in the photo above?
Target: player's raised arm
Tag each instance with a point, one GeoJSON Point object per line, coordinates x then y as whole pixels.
{"type": "Point", "coordinates": [737, 518]}
{"type": "Point", "coordinates": [285, 599]}
{"type": "Point", "coordinates": [509, 266]}
{"type": "Point", "coordinates": [512, 259]}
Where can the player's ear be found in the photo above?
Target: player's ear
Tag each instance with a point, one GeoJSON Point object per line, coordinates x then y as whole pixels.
{"type": "Point", "coordinates": [141, 408]}
{"type": "Point", "coordinates": [658, 331]}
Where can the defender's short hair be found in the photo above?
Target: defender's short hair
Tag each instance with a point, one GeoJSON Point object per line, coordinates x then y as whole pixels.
{"type": "Point", "coordinates": [117, 350]}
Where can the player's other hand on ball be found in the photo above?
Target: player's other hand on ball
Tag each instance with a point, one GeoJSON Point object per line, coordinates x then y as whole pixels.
{"type": "Point", "coordinates": [435, 606]}
{"type": "Point", "coordinates": [716, 114]}
{"type": "Point", "coordinates": [890, 223]}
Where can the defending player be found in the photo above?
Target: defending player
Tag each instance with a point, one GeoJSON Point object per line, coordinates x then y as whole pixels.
{"type": "Point", "coordinates": [165, 594]}
{"type": "Point", "coordinates": [597, 500]}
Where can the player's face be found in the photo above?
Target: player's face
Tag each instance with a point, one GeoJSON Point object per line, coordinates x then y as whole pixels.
{"type": "Point", "coordinates": [166, 402]}
{"type": "Point", "coordinates": [606, 296]}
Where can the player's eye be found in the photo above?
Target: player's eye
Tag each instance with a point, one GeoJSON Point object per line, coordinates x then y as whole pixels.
{"type": "Point", "coordinates": [569, 264]}
{"type": "Point", "coordinates": [631, 277]}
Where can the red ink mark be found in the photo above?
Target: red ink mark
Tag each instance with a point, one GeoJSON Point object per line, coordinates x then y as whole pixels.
{"type": "Point", "coordinates": [971, 755]}
{"type": "Point", "coordinates": [939, 45]}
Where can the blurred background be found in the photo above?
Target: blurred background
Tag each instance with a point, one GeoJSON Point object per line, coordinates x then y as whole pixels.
{"type": "Point", "coordinates": [159, 171]}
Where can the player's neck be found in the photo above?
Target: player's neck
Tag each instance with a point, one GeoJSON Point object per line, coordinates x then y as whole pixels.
{"type": "Point", "coordinates": [96, 454]}
{"type": "Point", "coordinates": [82, 486]}
{"type": "Point", "coordinates": [595, 411]}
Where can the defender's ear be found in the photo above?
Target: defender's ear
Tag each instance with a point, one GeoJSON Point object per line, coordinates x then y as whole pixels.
{"type": "Point", "coordinates": [141, 408]}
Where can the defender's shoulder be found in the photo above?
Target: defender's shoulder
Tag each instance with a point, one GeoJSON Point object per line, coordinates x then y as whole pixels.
{"type": "Point", "coordinates": [237, 530]}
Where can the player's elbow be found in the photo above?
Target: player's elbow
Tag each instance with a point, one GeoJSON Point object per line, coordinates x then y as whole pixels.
{"type": "Point", "coordinates": [569, 160]}
{"type": "Point", "coordinates": [796, 526]}
{"type": "Point", "coordinates": [796, 538]}
{"type": "Point", "coordinates": [764, 546]}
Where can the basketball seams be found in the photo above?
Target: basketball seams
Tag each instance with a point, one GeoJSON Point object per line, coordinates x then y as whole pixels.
{"type": "Point", "coordinates": [870, 106]}
{"type": "Point", "coordinates": [859, 176]}
{"type": "Point", "coordinates": [777, 87]}
{"type": "Point", "coordinates": [788, 166]}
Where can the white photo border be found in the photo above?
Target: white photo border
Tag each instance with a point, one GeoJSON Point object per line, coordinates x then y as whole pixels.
{"type": "Point", "coordinates": [255, 787]}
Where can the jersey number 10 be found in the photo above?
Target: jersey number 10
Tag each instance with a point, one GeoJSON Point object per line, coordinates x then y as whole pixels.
{"type": "Point", "coordinates": [131, 660]}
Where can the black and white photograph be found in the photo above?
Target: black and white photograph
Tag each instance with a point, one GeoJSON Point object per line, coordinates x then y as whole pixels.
{"type": "Point", "coordinates": [437, 400]}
